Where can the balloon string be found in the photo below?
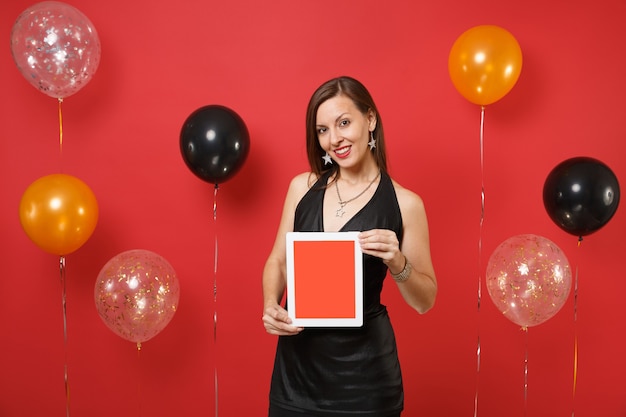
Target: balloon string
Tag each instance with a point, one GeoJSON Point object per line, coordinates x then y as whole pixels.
{"type": "Point", "coordinates": [215, 224]}
{"type": "Point", "coordinates": [480, 247]}
{"type": "Point", "coordinates": [580, 239]}
{"type": "Point", "coordinates": [60, 127]}
{"type": "Point", "coordinates": [526, 372]}
{"type": "Point", "coordinates": [215, 296]}
{"type": "Point", "coordinates": [139, 401]}
{"type": "Point", "coordinates": [482, 201]}
{"type": "Point", "coordinates": [64, 303]}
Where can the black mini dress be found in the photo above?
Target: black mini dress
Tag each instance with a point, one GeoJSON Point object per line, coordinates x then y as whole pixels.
{"type": "Point", "coordinates": [333, 372]}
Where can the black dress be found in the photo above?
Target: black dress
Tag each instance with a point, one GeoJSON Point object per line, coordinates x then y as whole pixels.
{"type": "Point", "coordinates": [335, 372]}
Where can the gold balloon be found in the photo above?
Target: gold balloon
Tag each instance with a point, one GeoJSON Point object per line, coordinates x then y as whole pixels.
{"type": "Point", "coordinates": [485, 63]}
{"type": "Point", "coordinates": [59, 213]}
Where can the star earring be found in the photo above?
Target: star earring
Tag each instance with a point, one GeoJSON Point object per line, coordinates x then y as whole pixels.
{"type": "Point", "coordinates": [372, 142]}
{"type": "Point", "coordinates": [327, 159]}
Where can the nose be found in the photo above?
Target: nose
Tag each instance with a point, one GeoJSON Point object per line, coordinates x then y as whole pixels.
{"type": "Point", "coordinates": [335, 139]}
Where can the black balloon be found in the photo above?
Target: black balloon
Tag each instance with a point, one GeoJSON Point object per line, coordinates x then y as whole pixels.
{"type": "Point", "coordinates": [581, 195]}
{"type": "Point", "coordinates": [214, 143]}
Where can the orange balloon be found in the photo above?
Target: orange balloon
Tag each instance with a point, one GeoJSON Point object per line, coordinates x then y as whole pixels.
{"type": "Point", "coordinates": [59, 213]}
{"type": "Point", "coordinates": [485, 63]}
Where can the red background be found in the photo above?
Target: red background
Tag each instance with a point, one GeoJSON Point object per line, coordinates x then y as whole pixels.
{"type": "Point", "coordinates": [162, 60]}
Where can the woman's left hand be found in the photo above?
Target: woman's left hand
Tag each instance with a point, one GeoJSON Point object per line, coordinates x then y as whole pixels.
{"type": "Point", "coordinates": [383, 244]}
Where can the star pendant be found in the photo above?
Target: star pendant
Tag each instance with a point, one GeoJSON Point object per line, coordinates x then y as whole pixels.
{"type": "Point", "coordinates": [327, 159]}
{"type": "Point", "coordinates": [372, 143]}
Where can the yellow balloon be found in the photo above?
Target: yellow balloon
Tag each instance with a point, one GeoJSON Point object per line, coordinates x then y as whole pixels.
{"type": "Point", "coordinates": [59, 213]}
{"type": "Point", "coordinates": [485, 63]}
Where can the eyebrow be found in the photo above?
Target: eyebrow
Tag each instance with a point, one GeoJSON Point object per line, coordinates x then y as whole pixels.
{"type": "Point", "coordinates": [341, 116]}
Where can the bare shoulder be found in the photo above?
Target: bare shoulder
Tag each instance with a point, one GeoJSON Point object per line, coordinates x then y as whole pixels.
{"type": "Point", "coordinates": [303, 181]}
{"type": "Point", "coordinates": [409, 201]}
{"type": "Point", "coordinates": [298, 187]}
{"type": "Point", "coordinates": [300, 184]}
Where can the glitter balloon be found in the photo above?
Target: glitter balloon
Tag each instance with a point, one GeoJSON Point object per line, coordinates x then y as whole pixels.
{"type": "Point", "coordinates": [55, 47]}
{"type": "Point", "coordinates": [528, 279]}
{"type": "Point", "coordinates": [137, 294]}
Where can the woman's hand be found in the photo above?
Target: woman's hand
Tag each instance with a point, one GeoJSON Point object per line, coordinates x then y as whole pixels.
{"type": "Point", "coordinates": [383, 244]}
{"type": "Point", "coordinates": [277, 321]}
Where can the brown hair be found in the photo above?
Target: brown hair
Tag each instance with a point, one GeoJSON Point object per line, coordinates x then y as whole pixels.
{"type": "Point", "coordinates": [355, 91]}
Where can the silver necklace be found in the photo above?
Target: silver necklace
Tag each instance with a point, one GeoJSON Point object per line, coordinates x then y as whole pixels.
{"type": "Point", "coordinates": [340, 211]}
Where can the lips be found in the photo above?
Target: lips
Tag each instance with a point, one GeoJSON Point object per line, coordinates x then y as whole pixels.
{"type": "Point", "coordinates": [342, 152]}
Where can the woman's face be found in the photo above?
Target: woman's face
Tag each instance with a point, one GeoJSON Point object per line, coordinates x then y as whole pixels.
{"type": "Point", "coordinates": [343, 131]}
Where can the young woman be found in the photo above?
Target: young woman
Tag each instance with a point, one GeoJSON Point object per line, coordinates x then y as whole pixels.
{"type": "Point", "coordinates": [347, 371]}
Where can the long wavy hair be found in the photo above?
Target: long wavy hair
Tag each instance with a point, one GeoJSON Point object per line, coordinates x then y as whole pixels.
{"type": "Point", "coordinates": [357, 92]}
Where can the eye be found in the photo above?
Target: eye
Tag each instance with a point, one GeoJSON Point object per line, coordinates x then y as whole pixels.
{"type": "Point", "coordinates": [321, 130]}
{"type": "Point", "coordinates": [344, 122]}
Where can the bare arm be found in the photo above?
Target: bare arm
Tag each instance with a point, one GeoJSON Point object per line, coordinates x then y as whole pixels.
{"type": "Point", "coordinates": [275, 318]}
{"type": "Point", "coordinates": [420, 289]}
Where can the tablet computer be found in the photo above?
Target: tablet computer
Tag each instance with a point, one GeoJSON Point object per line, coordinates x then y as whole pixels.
{"type": "Point", "coordinates": [324, 279]}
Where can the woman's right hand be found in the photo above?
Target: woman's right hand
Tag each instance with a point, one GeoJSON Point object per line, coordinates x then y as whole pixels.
{"type": "Point", "coordinates": [277, 321]}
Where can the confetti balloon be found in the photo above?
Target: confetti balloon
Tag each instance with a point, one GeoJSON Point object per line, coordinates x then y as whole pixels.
{"type": "Point", "coordinates": [55, 47]}
{"type": "Point", "coordinates": [528, 279]}
{"type": "Point", "coordinates": [137, 294]}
